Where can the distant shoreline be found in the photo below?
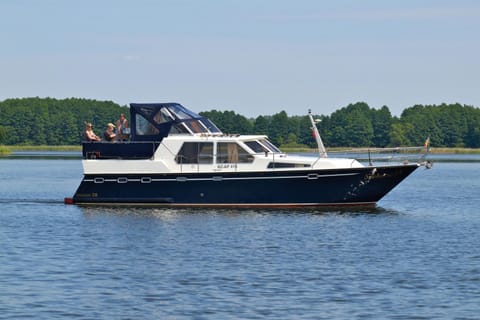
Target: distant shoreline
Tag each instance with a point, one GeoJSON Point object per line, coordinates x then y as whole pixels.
{"type": "Point", "coordinates": [5, 150]}
{"type": "Point", "coordinates": [455, 151]}
{"type": "Point", "coordinates": [10, 149]}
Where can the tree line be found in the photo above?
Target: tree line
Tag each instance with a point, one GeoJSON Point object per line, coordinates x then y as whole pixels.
{"type": "Point", "coordinates": [358, 125]}
{"type": "Point", "coordinates": [49, 121]}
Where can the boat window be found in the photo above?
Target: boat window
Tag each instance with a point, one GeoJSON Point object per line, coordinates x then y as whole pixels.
{"type": "Point", "coordinates": [143, 127]}
{"type": "Point", "coordinates": [270, 145]}
{"type": "Point", "coordinates": [179, 128]}
{"type": "Point", "coordinates": [162, 116]}
{"type": "Point", "coordinates": [210, 126]}
{"type": "Point", "coordinates": [256, 147]}
{"type": "Point", "coordinates": [195, 126]}
{"type": "Point", "coordinates": [230, 152]}
{"type": "Point", "coordinates": [195, 152]}
{"type": "Point", "coordinates": [182, 113]}
{"type": "Point", "coordinates": [287, 165]}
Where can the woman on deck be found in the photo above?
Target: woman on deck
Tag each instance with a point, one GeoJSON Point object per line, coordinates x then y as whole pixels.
{"type": "Point", "coordinates": [89, 134]}
{"type": "Point", "coordinates": [109, 135]}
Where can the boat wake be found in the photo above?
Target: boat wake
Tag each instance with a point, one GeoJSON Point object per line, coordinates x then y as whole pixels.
{"type": "Point", "coordinates": [31, 201]}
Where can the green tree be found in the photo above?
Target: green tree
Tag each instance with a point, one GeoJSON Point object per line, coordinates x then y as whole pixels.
{"type": "Point", "coordinates": [382, 123]}
{"type": "Point", "coordinates": [291, 139]}
{"type": "Point", "coordinates": [279, 128]}
{"type": "Point", "coordinates": [420, 122]}
{"type": "Point", "coordinates": [229, 121]}
{"type": "Point", "coordinates": [3, 134]}
{"type": "Point", "coordinates": [54, 122]}
{"type": "Point", "coordinates": [453, 122]}
{"type": "Point", "coordinates": [398, 136]}
{"type": "Point", "coordinates": [446, 125]}
{"type": "Point", "coordinates": [472, 136]}
{"type": "Point", "coordinates": [261, 125]}
{"type": "Point", "coordinates": [350, 126]}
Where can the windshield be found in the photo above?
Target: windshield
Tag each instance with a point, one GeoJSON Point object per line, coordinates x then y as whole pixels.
{"type": "Point", "coordinates": [198, 124]}
{"type": "Point", "coordinates": [262, 145]}
{"type": "Point", "coordinates": [182, 113]}
{"type": "Point", "coordinates": [210, 126]}
{"type": "Point", "coordinates": [256, 147]}
{"type": "Point", "coordinates": [270, 145]}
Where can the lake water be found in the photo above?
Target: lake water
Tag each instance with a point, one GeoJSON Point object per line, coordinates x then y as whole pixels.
{"type": "Point", "coordinates": [415, 256]}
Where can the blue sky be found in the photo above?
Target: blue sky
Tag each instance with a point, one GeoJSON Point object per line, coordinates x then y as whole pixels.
{"type": "Point", "coordinates": [253, 57]}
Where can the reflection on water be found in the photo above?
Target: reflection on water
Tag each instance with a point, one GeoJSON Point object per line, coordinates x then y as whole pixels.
{"type": "Point", "coordinates": [161, 210]}
{"type": "Point", "coordinates": [166, 211]}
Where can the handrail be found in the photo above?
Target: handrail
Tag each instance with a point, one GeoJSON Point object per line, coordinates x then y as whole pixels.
{"type": "Point", "coordinates": [396, 154]}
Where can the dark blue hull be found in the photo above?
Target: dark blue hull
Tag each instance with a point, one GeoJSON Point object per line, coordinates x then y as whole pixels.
{"type": "Point", "coordinates": [354, 186]}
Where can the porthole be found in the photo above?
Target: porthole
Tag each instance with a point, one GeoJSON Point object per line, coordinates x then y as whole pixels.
{"type": "Point", "coordinates": [98, 180]}
{"type": "Point", "coordinates": [122, 180]}
{"type": "Point", "coordinates": [146, 180]}
{"type": "Point", "coordinates": [312, 176]}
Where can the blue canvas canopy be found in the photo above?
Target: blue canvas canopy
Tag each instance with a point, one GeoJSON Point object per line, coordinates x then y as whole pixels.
{"type": "Point", "coordinates": [155, 121]}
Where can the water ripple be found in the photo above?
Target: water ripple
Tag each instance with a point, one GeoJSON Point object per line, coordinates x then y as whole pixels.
{"type": "Point", "coordinates": [414, 256]}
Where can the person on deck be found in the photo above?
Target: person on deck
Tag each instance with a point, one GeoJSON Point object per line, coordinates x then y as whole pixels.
{"type": "Point", "coordinates": [89, 134]}
{"type": "Point", "coordinates": [109, 135]}
{"type": "Point", "coordinates": [122, 128]}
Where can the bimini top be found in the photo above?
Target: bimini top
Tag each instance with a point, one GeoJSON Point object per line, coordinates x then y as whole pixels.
{"type": "Point", "coordinates": [155, 121]}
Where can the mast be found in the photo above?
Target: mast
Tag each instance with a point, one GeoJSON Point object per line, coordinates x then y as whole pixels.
{"type": "Point", "coordinates": [321, 148]}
